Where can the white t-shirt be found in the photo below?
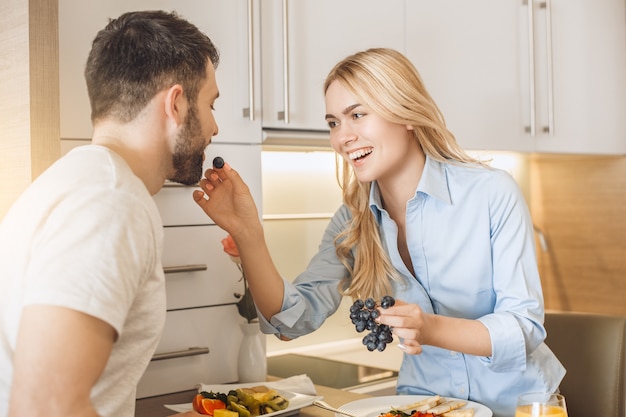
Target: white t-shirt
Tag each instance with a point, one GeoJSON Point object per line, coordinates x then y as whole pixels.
{"type": "Point", "coordinates": [87, 235]}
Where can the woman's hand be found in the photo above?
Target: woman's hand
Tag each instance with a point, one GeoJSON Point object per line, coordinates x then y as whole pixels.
{"type": "Point", "coordinates": [408, 322]}
{"type": "Point", "coordinates": [227, 200]}
{"type": "Point", "coordinates": [416, 329]}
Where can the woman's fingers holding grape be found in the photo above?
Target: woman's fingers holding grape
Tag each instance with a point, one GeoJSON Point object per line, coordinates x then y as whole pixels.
{"type": "Point", "coordinates": [401, 315]}
{"type": "Point", "coordinates": [386, 318]}
{"type": "Point", "coordinates": [407, 322]}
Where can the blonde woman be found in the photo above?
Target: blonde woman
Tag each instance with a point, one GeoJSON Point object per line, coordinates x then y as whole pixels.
{"type": "Point", "coordinates": [448, 237]}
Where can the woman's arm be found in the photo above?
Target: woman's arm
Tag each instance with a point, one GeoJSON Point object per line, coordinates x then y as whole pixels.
{"type": "Point", "coordinates": [231, 206]}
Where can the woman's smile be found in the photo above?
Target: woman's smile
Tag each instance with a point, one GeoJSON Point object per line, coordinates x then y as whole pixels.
{"type": "Point", "coordinates": [360, 154]}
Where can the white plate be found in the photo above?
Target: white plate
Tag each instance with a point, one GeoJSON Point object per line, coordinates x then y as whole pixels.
{"type": "Point", "coordinates": [372, 407]}
{"type": "Point", "coordinates": [296, 400]}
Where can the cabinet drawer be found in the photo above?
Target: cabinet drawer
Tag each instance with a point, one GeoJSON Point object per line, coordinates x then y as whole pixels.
{"type": "Point", "coordinates": [186, 333]}
{"type": "Point", "coordinates": [176, 205]}
{"type": "Point", "coordinates": [198, 273]}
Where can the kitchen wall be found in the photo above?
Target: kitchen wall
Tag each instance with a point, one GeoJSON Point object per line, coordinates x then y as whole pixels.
{"type": "Point", "coordinates": [300, 194]}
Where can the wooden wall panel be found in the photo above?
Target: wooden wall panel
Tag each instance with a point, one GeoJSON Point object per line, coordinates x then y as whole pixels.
{"type": "Point", "coordinates": [29, 94]}
{"type": "Point", "coordinates": [14, 102]}
{"type": "Point", "coordinates": [579, 203]}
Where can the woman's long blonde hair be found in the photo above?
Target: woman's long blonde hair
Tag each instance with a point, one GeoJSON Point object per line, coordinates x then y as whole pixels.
{"type": "Point", "coordinates": [388, 84]}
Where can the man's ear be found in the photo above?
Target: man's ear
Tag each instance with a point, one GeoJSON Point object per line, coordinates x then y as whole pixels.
{"type": "Point", "coordinates": [176, 104]}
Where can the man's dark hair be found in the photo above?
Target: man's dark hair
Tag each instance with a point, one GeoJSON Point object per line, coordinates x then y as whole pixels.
{"type": "Point", "coordinates": [141, 53]}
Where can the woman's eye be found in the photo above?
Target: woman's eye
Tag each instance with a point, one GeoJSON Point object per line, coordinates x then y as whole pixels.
{"type": "Point", "coordinates": [357, 115]}
{"type": "Point", "coordinates": [332, 123]}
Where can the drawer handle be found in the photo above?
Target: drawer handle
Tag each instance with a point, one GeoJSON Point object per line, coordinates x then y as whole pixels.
{"type": "Point", "coordinates": [194, 351]}
{"type": "Point", "coordinates": [172, 184]}
{"type": "Point", "coordinates": [184, 268]}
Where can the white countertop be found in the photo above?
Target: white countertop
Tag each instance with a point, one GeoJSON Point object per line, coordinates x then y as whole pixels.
{"type": "Point", "coordinates": [349, 351]}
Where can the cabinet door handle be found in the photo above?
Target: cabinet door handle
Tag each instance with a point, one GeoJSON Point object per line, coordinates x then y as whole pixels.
{"type": "Point", "coordinates": [184, 268]}
{"type": "Point", "coordinates": [550, 128]}
{"type": "Point", "coordinates": [249, 112]}
{"type": "Point", "coordinates": [284, 115]}
{"type": "Point", "coordinates": [531, 66]}
{"type": "Point", "coordinates": [193, 351]}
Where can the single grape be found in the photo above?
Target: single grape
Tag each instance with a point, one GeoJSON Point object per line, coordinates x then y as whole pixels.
{"type": "Point", "coordinates": [387, 301]}
{"type": "Point", "coordinates": [360, 326]}
{"type": "Point", "coordinates": [218, 162]}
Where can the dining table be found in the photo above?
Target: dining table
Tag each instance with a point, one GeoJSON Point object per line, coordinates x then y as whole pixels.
{"type": "Point", "coordinates": [154, 406]}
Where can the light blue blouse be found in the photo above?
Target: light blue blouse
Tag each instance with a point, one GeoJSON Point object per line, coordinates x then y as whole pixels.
{"type": "Point", "coordinates": [471, 242]}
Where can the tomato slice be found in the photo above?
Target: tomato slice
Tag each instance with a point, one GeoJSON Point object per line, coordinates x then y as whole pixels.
{"type": "Point", "coordinates": [197, 403]}
{"type": "Point", "coordinates": [207, 405]}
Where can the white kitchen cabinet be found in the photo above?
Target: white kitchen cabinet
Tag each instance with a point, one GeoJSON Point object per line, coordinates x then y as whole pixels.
{"type": "Point", "coordinates": [201, 337]}
{"type": "Point", "coordinates": [225, 22]}
{"type": "Point", "coordinates": [255, 90]}
{"type": "Point", "coordinates": [198, 346]}
{"type": "Point", "coordinates": [476, 61]}
{"type": "Point", "coordinates": [319, 34]}
{"type": "Point", "coordinates": [468, 57]}
{"type": "Point", "coordinates": [584, 110]}
{"type": "Point", "coordinates": [202, 285]}
{"type": "Point", "coordinates": [197, 271]}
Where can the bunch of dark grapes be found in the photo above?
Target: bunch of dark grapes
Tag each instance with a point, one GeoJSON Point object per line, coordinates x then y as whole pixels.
{"type": "Point", "coordinates": [364, 314]}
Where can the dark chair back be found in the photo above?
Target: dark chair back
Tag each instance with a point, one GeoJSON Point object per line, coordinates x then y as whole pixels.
{"type": "Point", "coordinates": [592, 347]}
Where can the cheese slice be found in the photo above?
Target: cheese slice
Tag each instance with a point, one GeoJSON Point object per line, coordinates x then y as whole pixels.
{"type": "Point", "coordinates": [421, 405]}
{"type": "Point", "coordinates": [460, 412]}
{"type": "Point", "coordinates": [446, 407]}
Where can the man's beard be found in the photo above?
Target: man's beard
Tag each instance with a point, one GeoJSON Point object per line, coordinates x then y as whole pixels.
{"type": "Point", "coordinates": [188, 156]}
